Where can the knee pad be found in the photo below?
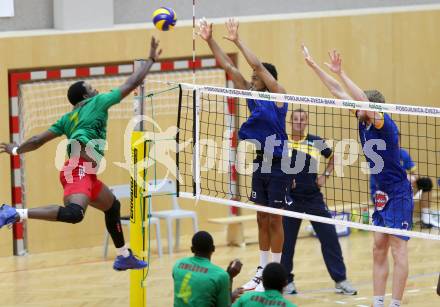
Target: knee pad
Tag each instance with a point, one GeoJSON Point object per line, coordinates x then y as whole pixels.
{"type": "Point", "coordinates": [114, 209]}
{"type": "Point", "coordinates": [71, 213]}
{"type": "Point", "coordinates": [113, 223]}
{"type": "Point", "coordinates": [424, 184]}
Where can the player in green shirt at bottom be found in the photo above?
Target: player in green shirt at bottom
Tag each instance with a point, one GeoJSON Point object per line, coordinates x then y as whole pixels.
{"type": "Point", "coordinates": [200, 283]}
{"type": "Point", "coordinates": [274, 280]}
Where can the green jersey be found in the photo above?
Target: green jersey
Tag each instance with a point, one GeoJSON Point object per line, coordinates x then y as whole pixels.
{"type": "Point", "coordinates": [88, 122]}
{"type": "Point", "coordinates": [199, 283]}
{"type": "Point", "coordinates": [260, 299]}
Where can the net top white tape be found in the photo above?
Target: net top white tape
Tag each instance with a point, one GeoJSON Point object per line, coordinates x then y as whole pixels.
{"type": "Point", "coordinates": [320, 219]}
{"type": "Point", "coordinates": [317, 101]}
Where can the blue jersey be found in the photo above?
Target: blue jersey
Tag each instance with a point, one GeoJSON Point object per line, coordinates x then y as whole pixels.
{"type": "Point", "coordinates": [266, 120]}
{"type": "Point", "coordinates": [392, 172]}
{"type": "Point", "coordinates": [406, 162]}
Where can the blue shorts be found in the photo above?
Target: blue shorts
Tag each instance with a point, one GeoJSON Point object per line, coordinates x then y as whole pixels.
{"type": "Point", "coordinates": [397, 212]}
{"type": "Point", "coordinates": [270, 189]}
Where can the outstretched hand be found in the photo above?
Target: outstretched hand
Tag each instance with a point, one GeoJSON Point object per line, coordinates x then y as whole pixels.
{"type": "Point", "coordinates": [154, 51]}
{"type": "Point", "coordinates": [7, 148]}
{"type": "Point", "coordinates": [335, 62]}
{"type": "Point", "coordinates": [307, 57]}
{"type": "Point", "coordinates": [232, 28]}
{"type": "Point", "coordinates": [205, 29]}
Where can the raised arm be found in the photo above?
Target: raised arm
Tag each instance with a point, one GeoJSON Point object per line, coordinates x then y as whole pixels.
{"type": "Point", "coordinates": [335, 66]}
{"type": "Point", "coordinates": [205, 32]}
{"type": "Point", "coordinates": [355, 91]}
{"type": "Point", "coordinates": [139, 74]}
{"type": "Point", "coordinates": [31, 144]}
{"type": "Point", "coordinates": [270, 82]}
{"type": "Point", "coordinates": [331, 83]}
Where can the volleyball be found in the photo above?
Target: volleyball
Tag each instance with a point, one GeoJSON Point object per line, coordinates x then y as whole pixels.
{"type": "Point", "coordinates": [164, 19]}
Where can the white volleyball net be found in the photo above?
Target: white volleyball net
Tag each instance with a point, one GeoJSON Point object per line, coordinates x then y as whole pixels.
{"type": "Point", "coordinates": [207, 130]}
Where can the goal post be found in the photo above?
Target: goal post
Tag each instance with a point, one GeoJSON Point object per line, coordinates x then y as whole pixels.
{"type": "Point", "coordinates": [138, 193]}
{"type": "Point", "coordinates": [139, 212]}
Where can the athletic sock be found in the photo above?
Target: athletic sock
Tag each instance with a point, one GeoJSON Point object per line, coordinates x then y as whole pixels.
{"type": "Point", "coordinates": [264, 258]}
{"type": "Point", "coordinates": [123, 251]}
{"type": "Point", "coordinates": [23, 213]}
{"type": "Point", "coordinates": [276, 257]}
{"type": "Point", "coordinates": [395, 303]}
{"type": "Point", "coordinates": [379, 301]}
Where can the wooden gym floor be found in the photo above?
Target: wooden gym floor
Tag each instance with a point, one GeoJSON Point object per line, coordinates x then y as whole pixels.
{"type": "Point", "coordinates": [82, 277]}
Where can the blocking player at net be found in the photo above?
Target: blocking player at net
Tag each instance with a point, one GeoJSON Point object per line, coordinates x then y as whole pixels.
{"type": "Point", "coordinates": [394, 197]}
{"type": "Point", "coordinates": [305, 197]}
{"type": "Point", "coordinates": [86, 128]}
{"type": "Point", "coordinates": [421, 186]}
{"type": "Point", "coordinates": [267, 125]}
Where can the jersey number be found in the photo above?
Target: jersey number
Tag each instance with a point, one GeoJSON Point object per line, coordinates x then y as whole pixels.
{"type": "Point", "coordinates": [185, 291]}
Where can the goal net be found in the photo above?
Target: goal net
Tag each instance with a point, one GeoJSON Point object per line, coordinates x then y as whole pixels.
{"type": "Point", "coordinates": [42, 99]}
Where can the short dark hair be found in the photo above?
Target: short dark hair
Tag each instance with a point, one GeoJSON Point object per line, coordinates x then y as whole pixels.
{"type": "Point", "coordinates": [274, 277]}
{"type": "Point", "coordinates": [202, 243]}
{"type": "Point", "coordinates": [375, 96]}
{"type": "Point", "coordinates": [76, 92]}
{"type": "Point", "coordinates": [272, 69]}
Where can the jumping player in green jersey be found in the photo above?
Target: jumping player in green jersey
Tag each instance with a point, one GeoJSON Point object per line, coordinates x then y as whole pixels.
{"type": "Point", "coordinates": [86, 129]}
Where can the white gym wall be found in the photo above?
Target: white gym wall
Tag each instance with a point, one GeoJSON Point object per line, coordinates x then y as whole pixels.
{"type": "Point", "coordinates": [39, 14]}
{"type": "Point", "coordinates": [82, 14]}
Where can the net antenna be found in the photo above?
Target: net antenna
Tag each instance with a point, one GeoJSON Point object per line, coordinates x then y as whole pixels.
{"type": "Point", "coordinates": [196, 96]}
{"type": "Point", "coordinates": [139, 98]}
{"type": "Point", "coordinates": [194, 41]}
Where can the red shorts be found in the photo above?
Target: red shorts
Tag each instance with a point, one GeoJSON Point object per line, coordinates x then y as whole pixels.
{"type": "Point", "coordinates": [79, 177]}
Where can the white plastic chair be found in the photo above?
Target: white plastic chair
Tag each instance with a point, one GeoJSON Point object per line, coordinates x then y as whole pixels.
{"type": "Point", "coordinates": [122, 192]}
{"type": "Point", "coordinates": [168, 187]}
